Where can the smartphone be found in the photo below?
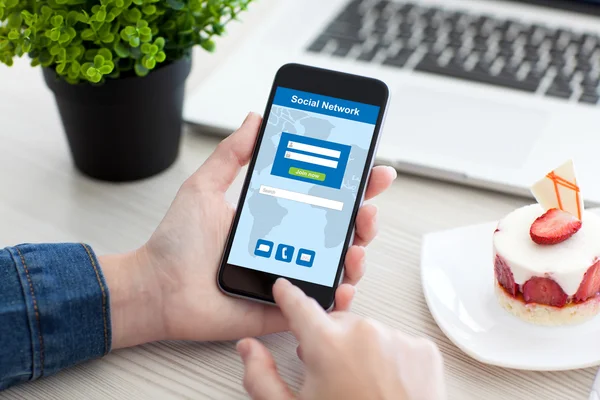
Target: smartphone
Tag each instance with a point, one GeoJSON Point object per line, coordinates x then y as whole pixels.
{"type": "Point", "coordinates": [305, 184]}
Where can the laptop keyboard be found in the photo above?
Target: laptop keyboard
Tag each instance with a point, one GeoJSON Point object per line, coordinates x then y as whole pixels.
{"type": "Point", "coordinates": [533, 58]}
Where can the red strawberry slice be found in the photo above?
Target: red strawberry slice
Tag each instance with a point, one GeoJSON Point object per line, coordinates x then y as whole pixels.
{"type": "Point", "coordinates": [505, 276]}
{"type": "Point", "coordinates": [590, 285]}
{"type": "Point", "coordinates": [544, 291]}
{"type": "Point", "coordinates": [554, 226]}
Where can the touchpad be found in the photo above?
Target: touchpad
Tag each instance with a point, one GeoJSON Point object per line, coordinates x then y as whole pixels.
{"type": "Point", "coordinates": [458, 126]}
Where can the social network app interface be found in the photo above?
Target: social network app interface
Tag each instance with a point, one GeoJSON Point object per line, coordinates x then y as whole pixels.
{"type": "Point", "coordinates": [304, 185]}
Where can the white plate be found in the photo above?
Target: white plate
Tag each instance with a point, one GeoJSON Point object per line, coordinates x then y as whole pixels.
{"type": "Point", "coordinates": [458, 283]}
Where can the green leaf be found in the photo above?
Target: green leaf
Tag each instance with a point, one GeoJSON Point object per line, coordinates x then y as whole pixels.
{"type": "Point", "coordinates": [141, 24]}
{"type": "Point", "coordinates": [61, 68]}
{"type": "Point", "coordinates": [101, 15]}
{"type": "Point", "coordinates": [14, 21]}
{"type": "Point", "coordinates": [140, 70]}
{"type": "Point", "coordinates": [133, 15]}
{"type": "Point", "coordinates": [54, 35]}
{"type": "Point", "coordinates": [160, 43]}
{"type": "Point", "coordinates": [13, 35]}
{"type": "Point", "coordinates": [145, 48]}
{"type": "Point", "coordinates": [11, 3]}
{"type": "Point", "coordinates": [208, 45]}
{"type": "Point", "coordinates": [73, 53]}
{"type": "Point", "coordinates": [85, 67]}
{"type": "Point", "coordinates": [28, 17]}
{"type": "Point", "coordinates": [54, 50]}
{"type": "Point", "coordinates": [88, 34]}
{"type": "Point", "coordinates": [176, 4]}
{"type": "Point", "coordinates": [149, 9]}
{"type": "Point", "coordinates": [106, 54]}
{"type": "Point", "coordinates": [57, 21]}
{"type": "Point", "coordinates": [64, 38]}
{"type": "Point", "coordinates": [160, 56]}
{"type": "Point", "coordinates": [129, 31]}
{"type": "Point", "coordinates": [134, 41]}
{"type": "Point", "coordinates": [75, 67]}
{"type": "Point", "coordinates": [96, 25]}
{"type": "Point", "coordinates": [121, 49]}
{"type": "Point", "coordinates": [96, 78]}
{"type": "Point", "coordinates": [98, 61]}
{"type": "Point", "coordinates": [138, 2]}
{"type": "Point", "coordinates": [108, 38]}
{"type": "Point", "coordinates": [105, 69]}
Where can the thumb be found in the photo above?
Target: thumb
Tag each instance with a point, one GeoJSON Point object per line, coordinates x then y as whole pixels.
{"type": "Point", "coordinates": [261, 379]}
{"type": "Point", "coordinates": [224, 164]}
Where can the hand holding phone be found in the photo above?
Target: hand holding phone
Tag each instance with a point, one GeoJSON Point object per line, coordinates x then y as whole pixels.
{"type": "Point", "coordinates": [306, 181]}
{"type": "Point", "coordinates": [345, 357]}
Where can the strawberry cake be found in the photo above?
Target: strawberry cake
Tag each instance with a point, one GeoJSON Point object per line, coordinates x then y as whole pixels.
{"type": "Point", "coordinates": [547, 255]}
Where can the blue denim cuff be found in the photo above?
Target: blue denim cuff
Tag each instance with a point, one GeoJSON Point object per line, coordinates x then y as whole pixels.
{"type": "Point", "coordinates": [66, 302]}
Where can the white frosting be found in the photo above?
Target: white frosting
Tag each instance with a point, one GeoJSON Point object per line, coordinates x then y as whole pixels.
{"type": "Point", "coordinates": [564, 262]}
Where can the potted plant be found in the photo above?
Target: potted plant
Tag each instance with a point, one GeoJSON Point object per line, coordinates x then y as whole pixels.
{"type": "Point", "coordinates": [117, 69]}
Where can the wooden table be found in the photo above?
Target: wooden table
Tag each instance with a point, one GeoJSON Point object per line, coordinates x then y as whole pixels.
{"type": "Point", "coordinates": [43, 199]}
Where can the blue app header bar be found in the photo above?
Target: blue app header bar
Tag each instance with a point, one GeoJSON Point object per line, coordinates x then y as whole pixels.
{"type": "Point", "coordinates": [326, 105]}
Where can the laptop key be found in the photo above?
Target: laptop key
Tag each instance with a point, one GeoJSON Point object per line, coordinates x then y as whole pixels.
{"type": "Point", "coordinates": [343, 47]}
{"type": "Point", "coordinates": [589, 98]}
{"type": "Point", "coordinates": [557, 90]}
{"type": "Point", "coordinates": [451, 70]}
{"type": "Point", "coordinates": [368, 55]}
{"type": "Point", "coordinates": [399, 59]}
{"type": "Point", "coordinates": [318, 45]}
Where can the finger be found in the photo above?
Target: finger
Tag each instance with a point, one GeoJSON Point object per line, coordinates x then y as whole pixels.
{"type": "Point", "coordinates": [261, 379]}
{"type": "Point", "coordinates": [366, 225]}
{"type": "Point", "coordinates": [344, 296]}
{"type": "Point", "coordinates": [304, 315]}
{"type": "Point", "coordinates": [381, 178]}
{"type": "Point", "coordinates": [354, 268]}
{"type": "Point", "coordinates": [224, 164]}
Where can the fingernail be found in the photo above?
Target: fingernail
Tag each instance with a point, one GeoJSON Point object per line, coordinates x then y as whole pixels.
{"type": "Point", "coordinates": [395, 173]}
{"type": "Point", "coordinates": [243, 347]}
{"type": "Point", "coordinates": [250, 114]}
{"type": "Point", "coordinates": [282, 281]}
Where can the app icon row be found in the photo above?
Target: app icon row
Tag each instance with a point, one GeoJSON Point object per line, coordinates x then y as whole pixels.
{"type": "Point", "coordinates": [284, 253]}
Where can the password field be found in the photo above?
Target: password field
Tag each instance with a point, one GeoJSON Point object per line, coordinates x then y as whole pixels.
{"type": "Point", "coordinates": [291, 155]}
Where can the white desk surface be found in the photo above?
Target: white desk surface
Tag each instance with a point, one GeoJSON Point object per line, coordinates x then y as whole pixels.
{"type": "Point", "coordinates": [45, 200]}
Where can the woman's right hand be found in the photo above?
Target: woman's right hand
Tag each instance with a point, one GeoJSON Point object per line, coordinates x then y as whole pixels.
{"type": "Point", "coordinates": [346, 357]}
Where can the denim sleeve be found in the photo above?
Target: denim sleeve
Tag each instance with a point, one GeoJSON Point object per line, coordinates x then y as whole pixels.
{"type": "Point", "coordinates": [54, 310]}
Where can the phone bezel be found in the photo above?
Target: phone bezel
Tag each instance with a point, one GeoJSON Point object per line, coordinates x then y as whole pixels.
{"type": "Point", "coordinates": [257, 285]}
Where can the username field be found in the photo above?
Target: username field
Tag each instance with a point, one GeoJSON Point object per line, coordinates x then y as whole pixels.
{"type": "Point", "coordinates": [309, 148]}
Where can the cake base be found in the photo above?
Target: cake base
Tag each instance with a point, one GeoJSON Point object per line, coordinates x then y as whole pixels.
{"type": "Point", "coordinates": [541, 314]}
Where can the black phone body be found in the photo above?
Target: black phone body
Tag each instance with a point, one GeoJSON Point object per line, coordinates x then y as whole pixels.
{"type": "Point", "coordinates": [305, 183]}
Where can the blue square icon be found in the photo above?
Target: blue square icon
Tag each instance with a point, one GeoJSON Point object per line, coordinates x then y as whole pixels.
{"type": "Point", "coordinates": [263, 248]}
{"type": "Point", "coordinates": [284, 253]}
{"type": "Point", "coordinates": [305, 258]}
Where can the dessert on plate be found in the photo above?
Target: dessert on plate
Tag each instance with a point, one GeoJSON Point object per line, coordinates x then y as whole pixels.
{"type": "Point", "coordinates": [547, 255]}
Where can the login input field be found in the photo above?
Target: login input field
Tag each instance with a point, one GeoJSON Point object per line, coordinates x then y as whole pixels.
{"type": "Point", "coordinates": [301, 198]}
{"type": "Point", "coordinates": [322, 151]}
{"type": "Point", "coordinates": [311, 159]}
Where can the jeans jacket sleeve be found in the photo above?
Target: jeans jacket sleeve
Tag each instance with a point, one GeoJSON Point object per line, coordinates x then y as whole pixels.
{"type": "Point", "coordinates": [54, 310]}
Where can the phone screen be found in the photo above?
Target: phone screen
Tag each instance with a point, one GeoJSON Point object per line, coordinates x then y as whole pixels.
{"type": "Point", "coordinates": [304, 185]}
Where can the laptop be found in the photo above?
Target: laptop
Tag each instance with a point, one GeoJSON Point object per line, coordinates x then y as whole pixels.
{"type": "Point", "coordinates": [487, 93]}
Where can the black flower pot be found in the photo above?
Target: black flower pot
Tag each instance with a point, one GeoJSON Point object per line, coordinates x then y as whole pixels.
{"type": "Point", "coordinates": [124, 129]}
